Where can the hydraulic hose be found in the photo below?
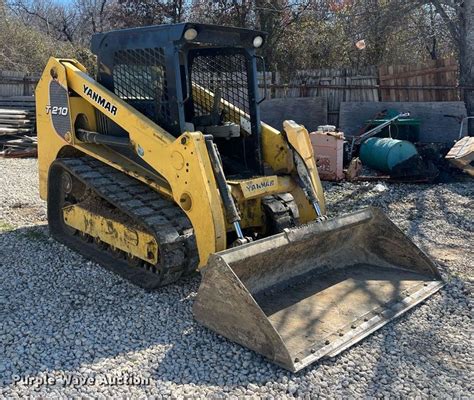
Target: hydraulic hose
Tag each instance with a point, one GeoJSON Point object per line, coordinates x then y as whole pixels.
{"type": "Point", "coordinates": [231, 210]}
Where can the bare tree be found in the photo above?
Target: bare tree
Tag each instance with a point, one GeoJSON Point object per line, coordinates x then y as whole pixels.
{"type": "Point", "coordinates": [458, 16]}
{"type": "Point", "coordinates": [56, 20]}
{"type": "Point", "coordinates": [466, 56]}
{"type": "Point", "coordinates": [127, 13]}
{"type": "Point", "coordinates": [94, 14]}
{"type": "Point", "coordinates": [71, 22]}
{"type": "Point", "coordinates": [224, 12]}
{"type": "Point", "coordinates": [176, 10]}
{"type": "Point", "coordinates": [275, 18]}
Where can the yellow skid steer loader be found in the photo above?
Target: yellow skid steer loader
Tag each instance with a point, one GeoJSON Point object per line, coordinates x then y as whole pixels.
{"type": "Point", "coordinates": [160, 166]}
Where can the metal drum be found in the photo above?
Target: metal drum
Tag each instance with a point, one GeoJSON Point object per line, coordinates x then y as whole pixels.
{"type": "Point", "coordinates": [384, 154]}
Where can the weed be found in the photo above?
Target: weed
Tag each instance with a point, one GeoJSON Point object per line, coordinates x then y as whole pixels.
{"type": "Point", "coordinates": [5, 226]}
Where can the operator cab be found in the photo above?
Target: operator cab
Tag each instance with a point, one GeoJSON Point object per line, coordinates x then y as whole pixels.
{"type": "Point", "coordinates": [189, 77]}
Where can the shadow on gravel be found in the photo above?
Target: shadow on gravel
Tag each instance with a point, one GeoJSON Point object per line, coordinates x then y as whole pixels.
{"type": "Point", "coordinates": [420, 213]}
{"type": "Point", "coordinates": [460, 219]}
{"type": "Point", "coordinates": [59, 312]}
{"type": "Point", "coordinates": [421, 348]}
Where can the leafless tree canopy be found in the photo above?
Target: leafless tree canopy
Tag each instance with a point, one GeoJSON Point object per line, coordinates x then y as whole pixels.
{"type": "Point", "coordinates": [302, 33]}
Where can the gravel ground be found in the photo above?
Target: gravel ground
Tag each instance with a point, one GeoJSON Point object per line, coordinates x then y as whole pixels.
{"type": "Point", "coordinates": [69, 328]}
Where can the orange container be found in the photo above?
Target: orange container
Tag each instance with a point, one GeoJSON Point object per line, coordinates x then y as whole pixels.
{"type": "Point", "coordinates": [328, 149]}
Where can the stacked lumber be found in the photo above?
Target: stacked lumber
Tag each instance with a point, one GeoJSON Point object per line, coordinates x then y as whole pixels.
{"type": "Point", "coordinates": [18, 127]}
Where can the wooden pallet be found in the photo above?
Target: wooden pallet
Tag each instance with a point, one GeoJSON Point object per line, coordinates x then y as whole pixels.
{"type": "Point", "coordinates": [462, 155]}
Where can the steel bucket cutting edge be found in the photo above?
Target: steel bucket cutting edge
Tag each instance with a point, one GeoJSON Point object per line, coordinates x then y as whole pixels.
{"type": "Point", "coordinates": [315, 290]}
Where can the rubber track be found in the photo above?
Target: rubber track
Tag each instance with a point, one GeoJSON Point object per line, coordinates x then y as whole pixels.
{"type": "Point", "coordinates": [282, 210]}
{"type": "Point", "coordinates": [177, 249]}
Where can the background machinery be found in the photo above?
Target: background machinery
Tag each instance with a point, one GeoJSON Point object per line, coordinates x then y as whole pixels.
{"type": "Point", "coordinates": [161, 166]}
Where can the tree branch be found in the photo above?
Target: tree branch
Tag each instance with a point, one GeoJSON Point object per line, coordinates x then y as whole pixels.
{"type": "Point", "coordinates": [451, 25]}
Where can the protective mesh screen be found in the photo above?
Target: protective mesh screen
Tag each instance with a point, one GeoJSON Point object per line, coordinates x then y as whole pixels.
{"type": "Point", "coordinates": [224, 73]}
{"type": "Point", "coordinates": [140, 79]}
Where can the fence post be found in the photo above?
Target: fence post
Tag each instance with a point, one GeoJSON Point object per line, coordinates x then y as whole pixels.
{"type": "Point", "coordinates": [303, 89]}
{"type": "Point", "coordinates": [272, 87]}
{"type": "Point", "coordinates": [379, 83]}
{"type": "Point", "coordinates": [25, 85]}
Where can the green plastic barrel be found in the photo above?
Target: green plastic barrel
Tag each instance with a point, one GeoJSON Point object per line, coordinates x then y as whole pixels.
{"type": "Point", "coordinates": [385, 153]}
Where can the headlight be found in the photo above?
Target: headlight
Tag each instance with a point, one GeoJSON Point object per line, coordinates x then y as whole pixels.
{"type": "Point", "coordinates": [257, 41]}
{"type": "Point", "coordinates": [190, 34]}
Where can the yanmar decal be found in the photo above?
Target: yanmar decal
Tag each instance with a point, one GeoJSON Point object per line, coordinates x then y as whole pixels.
{"type": "Point", "coordinates": [252, 187]}
{"type": "Point", "coordinates": [100, 100]}
{"type": "Point", "coordinates": [258, 186]}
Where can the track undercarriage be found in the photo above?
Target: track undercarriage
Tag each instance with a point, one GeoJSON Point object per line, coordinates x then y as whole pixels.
{"type": "Point", "coordinates": [128, 227]}
{"type": "Point", "coordinates": [84, 181]}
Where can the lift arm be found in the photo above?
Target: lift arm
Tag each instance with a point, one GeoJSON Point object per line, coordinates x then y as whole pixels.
{"type": "Point", "coordinates": [182, 161]}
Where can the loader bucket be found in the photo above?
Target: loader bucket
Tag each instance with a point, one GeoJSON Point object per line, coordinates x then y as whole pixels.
{"type": "Point", "coordinates": [315, 290]}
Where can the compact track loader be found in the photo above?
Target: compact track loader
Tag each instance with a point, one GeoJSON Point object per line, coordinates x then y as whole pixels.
{"type": "Point", "coordinates": [161, 166]}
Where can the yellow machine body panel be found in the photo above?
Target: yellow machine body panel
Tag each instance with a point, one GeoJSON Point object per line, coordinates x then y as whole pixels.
{"type": "Point", "coordinates": [115, 233]}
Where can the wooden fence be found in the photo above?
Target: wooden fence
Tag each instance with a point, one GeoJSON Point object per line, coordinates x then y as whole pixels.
{"type": "Point", "coordinates": [431, 81]}
{"type": "Point", "coordinates": [14, 83]}
{"type": "Point", "coordinates": [336, 85]}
